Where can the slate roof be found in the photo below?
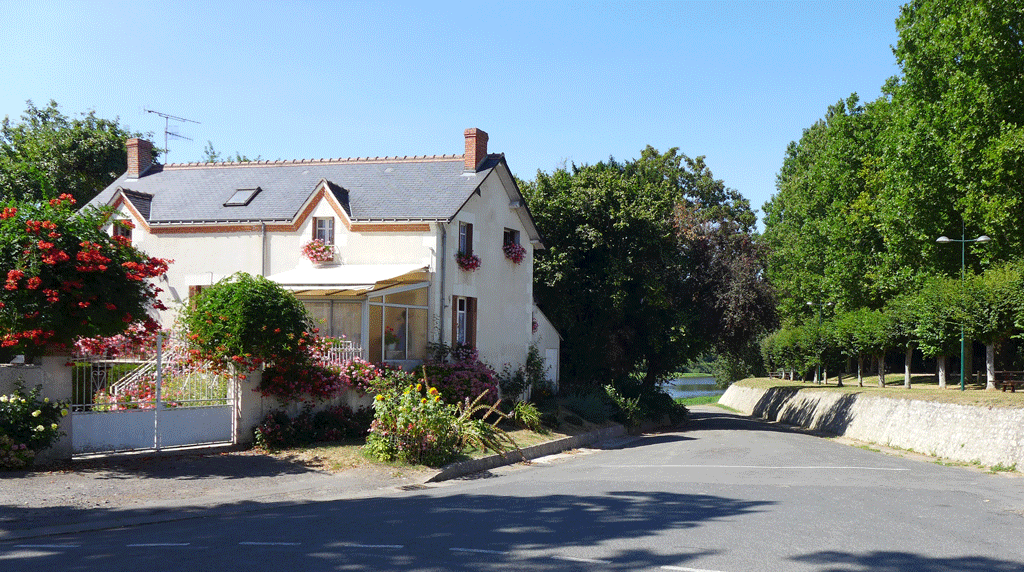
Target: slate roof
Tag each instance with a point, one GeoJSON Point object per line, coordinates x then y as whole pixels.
{"type": "Point", "coordinates": [369, 189]}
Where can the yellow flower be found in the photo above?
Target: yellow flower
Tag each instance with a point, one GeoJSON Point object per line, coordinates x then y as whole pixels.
{"type": "Point", "coordinates": [423, 401]}
{"type": "Point", "coordinates": [379, 397]}
{"type": "Point", "coordinates": [36, 413]}
{"type": "Point", "coordinates": [419, 387]}
{"type": "Point", "coordinates": [437, 398]}
{"type": "Point", "coordinates": [433, 391]}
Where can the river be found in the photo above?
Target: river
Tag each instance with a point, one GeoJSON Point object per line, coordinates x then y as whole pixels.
{"type": "Point", "coordinates": [692, 387]}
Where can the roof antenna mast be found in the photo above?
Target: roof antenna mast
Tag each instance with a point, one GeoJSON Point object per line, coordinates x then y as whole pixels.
{"type": "Point", "coordinates": [167, 117]}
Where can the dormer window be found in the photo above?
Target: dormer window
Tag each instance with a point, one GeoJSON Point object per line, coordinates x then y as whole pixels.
{"type": "Point", "coordinates": [122, 228]}
{"type": "Point", "coordinates": [242, 197]}
{"type": "Point", "coordinates": [323, 229]}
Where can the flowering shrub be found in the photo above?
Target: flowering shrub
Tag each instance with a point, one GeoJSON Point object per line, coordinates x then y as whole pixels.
{"type": "Point", "coordinates": [467, 262]}
{"type": "Point", "coordinates": [278, 431]}
{"type": "Point", "coordinates": [360, 375]}
{"type": "Point", "coordinates": [291, 379]}
{"type": "Point", "coordinates": [64, 277]}
{"type": "Point", "coordinates": [247, 321]}
{"type": "Point", "coordinates": [514, 252]}
{"type": "Point", "coordinates": [415, 426]}
{"type": "Point", "coordinates": [459, 374]}
{"type": "Point", "coordinates": [27, 424]}
{"type": "Point", "coordinates": [317, 251]}
{"type": "Point", "coordinates": [137, 340]}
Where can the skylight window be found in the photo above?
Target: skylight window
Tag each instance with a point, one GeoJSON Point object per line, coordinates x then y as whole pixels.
{"type": "Point", "coordinates": [242, 197]}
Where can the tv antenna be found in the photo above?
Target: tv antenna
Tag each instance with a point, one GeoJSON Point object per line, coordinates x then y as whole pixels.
{"type": "Point", "coordinates": [167, 132]}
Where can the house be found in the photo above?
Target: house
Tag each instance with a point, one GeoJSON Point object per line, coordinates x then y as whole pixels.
{"type": "Point", "coordinates": [393, 229]}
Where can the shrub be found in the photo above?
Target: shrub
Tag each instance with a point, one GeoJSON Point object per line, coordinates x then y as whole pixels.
{"type": "Point", "coordinates": [291, 380]}
{"type": "Point", "coordinates": [628, 408]}
{"type": "Point", "coordinates": [413, 425]}
{"type": "Point", "coordinates": [459, 374]}
{"type": "Point", "coordinates": [247, 320]}
{"type": "Point", "coordinates": [28, 423]}
{"type": "Point", "coordinates": [526, 415]}
{"type": "Point", "coordinates": [14, 455]}
{"type": "Point", "coordinates": [592, 406]}
{"type": "Point", "coordinates": [278, 431]}
{"type": "Point", "coordinates": [65, 277]}
{"type": "Point", "coordinates": [360, 375]}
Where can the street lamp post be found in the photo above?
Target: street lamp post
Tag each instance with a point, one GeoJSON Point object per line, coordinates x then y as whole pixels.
{"type": "Point", "coordinates": [963, 240]}
{"type": "Point", "coordinates": [817, 370]}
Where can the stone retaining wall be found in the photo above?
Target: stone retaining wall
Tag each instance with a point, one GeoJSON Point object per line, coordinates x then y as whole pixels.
{"type": "Point", "coordinates": [987, 435]}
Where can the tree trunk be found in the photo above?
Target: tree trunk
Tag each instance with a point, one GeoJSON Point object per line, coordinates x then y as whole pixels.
{"type": "Point", "coordinates": [839, 379]}
{"type": "Point", "coordinates": [990, 366]}
{"type": "Point", "coordinates": [881, 370]}
{"type": "Point", "coordinates": [940, 363]}
{"type": "Point", "coordinates": [824, 376]}
{"type": "Point", "coordinates": [860, 371]}
{"type": "Point", "coordinates": [968, 361]}
{"type": "Point", "coordinates": [906, 367]}
{"type": "Point", "coordinates": [816, 380]}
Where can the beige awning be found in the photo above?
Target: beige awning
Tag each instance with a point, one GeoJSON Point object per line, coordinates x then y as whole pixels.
{"type": "Point", "coordinates": [349, 279]}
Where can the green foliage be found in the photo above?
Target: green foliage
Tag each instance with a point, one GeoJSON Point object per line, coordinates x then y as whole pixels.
{"type": "Point", "coordinates": [528, 416]}
{"type": "Point", "coordinates": [415, 426]}
{"type": "Point", "coordinates": [476, 431]}
{"type": "Point", "coordinates": [591, 405]}
{"type": "Point", "coordinates": [531, 375]}
{"type": "Point", "coordinates": [48, 150]}
{"type": "Point", "coordinates": [247, 320]}
{"type": "Point", "coordinates": [458, 374]}
{"type": "Point", "coordinates": [67, 278]}
{"type": "Point", "coordinates": [636, 266]}
{"type": "Point", "coordinates": [628, 408]}
{"type": "Point", "coordinates": [28, 425]}
{"type": "Point", "coordinates": [279, 431]}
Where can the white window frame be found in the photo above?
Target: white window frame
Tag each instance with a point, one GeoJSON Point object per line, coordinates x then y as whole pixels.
{"type": "Point", "coordinates": [323, 229]}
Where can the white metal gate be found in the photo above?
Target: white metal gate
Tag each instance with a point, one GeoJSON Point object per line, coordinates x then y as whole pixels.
{"type": "Point", "coordinates": [127, 399]}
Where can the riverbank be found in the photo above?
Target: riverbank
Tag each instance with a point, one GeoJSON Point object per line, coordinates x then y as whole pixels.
{"type": "Point", "coordinates": [990, 433]}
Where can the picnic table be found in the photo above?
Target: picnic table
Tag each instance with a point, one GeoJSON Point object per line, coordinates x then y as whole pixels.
{"type": "Point", "coordinates": [1009, 379]}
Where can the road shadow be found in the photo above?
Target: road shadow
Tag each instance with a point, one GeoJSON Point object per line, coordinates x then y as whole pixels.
{"type": "Point", "coordinates": [710, 420]}
{"type": "Point", "coordinates": [886, 561]}
{"type": "Point", "coordinates": [422, 531]}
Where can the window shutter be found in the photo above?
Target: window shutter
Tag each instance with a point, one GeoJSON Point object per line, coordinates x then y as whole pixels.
{"type": "Point", "coordinates": [471, 322]}
{"type": "Point", "coordinates": [455, 321]}
{"type": "Point", "coordinates": [469, 239]}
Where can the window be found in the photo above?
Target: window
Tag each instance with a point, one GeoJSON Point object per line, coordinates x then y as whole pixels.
{"type": "Point", "coordinates": [465, 238]}
{"type": "Point", "coordinates": [398, 326]}
{"type": "Point", "coordinates": [194, 291]}
{"type": "Point", "coordinates": [511, 237]}
{"type": "Point", "coordinates": [323, 229]}
{"type": "Point", "coordinates": [464, 321]}
{"type": "Point", "coordinates": [242, 197]}
{"type": "Point", "coordinates": [122, 229]}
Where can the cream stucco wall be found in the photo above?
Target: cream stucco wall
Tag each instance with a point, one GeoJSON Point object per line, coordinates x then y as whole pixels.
{"type": "Point", "coordinates": [504, 290]}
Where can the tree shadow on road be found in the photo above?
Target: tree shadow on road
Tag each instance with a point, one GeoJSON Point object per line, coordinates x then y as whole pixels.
{"type": "Point", "coordinates": [885, 561]}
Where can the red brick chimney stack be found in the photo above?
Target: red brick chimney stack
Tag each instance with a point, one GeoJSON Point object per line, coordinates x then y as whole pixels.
{"type": "Point", "coordinates": [476, 148]}
{"type": "Point", "coordinates": [140, 157]}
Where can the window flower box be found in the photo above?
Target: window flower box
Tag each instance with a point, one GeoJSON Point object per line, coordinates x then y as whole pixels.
{"type": "Point", "coordinates": [318, 252]}
{"type": "Point", "coordinates": [514, 252]}
{"type": "Point", "coordinates": [467, 262]}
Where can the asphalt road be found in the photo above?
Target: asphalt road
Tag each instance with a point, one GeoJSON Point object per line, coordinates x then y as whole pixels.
{"type": "Point", "coordinates": [727, 495]}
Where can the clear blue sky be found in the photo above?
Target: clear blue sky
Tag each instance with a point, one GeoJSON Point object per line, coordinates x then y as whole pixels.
{"type": "Point", "coordinates": [552, 83]}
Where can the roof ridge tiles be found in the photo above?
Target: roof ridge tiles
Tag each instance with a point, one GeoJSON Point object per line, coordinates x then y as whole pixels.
{"type": "Point", "coordinates": [326, 161]}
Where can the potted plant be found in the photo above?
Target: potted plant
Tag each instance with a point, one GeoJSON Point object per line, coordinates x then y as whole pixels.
{"type": "Point", "coordinates": [467, 262]}
{"type": "Point", "coordinates": [318, 252]}
{"type": "Point", "coordinates": [514, 252]}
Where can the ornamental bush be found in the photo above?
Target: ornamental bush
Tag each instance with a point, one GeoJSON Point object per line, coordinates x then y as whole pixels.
{"type": "Point", "coordinates": [28, 425]}
{"type": "Point", "coordinates": [64, 277]}
{"type": "Point", "coordinates": [415, 426]}
{"type": "Point", "coordinates": [278, 431]}
{"type": "Point", "coordinates": [459, 374]}
{"type": "Point", "coordinates": [248, 321]}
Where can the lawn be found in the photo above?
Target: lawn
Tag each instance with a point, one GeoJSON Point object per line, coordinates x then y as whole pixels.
{"type": "Point", "coordinates": [924, 387]}
{"type": "Point", "coordinates": [342, 455]}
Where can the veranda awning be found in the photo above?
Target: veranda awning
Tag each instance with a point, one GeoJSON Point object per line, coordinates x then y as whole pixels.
{"type": "Point", "coordinates": [349, 279]}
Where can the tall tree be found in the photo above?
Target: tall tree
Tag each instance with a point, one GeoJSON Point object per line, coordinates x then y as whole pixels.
{"type": "Point", "coordinates": [621, 279]}
{"type": "Point", "coordinates": [77, 156]}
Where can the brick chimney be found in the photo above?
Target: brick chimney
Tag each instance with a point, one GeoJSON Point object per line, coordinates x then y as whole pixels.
{"type": "Point", "coordinates": [140, 157]}
{"type": "Point", "coordinates": [476, 148]}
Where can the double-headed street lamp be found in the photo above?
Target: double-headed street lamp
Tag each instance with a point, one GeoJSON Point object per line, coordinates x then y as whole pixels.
{"type": "Point", "coordinates": [963, 249]}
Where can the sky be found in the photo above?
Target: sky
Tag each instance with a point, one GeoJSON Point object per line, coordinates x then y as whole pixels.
{"type": "Point", "coordinates": [552, 83]}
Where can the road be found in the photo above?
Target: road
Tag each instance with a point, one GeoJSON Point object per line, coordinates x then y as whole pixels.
{"type": "Point", "coordinates": [728, 495]}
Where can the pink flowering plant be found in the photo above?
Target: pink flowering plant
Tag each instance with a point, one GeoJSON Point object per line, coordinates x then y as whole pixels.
{"type": "Point", "coordinates": [459, 374]}
{"type": "Point", "coordinates": [318, 251]}
{"type": "Point", "coordinates": [466, 261]}
{"type": "Point", "coordinates": [514, 252]}
{"type": "Point", "coordinates": [28, 425]}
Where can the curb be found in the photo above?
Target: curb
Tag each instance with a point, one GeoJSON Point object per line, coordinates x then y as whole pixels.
{"type": "Point", "coordinates": [463, 468]}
